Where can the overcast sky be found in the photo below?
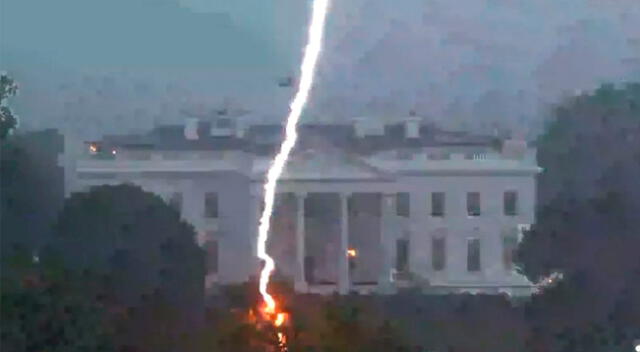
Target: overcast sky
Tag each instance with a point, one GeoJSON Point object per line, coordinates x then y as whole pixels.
{"type": "Point", "coordinates": [97, 66]}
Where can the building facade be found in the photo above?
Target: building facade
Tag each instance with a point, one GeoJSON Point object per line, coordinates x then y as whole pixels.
{"type": "Point", "coordinates": [362, 206]}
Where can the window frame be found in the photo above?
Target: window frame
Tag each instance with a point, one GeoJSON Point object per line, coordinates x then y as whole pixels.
{"type": "Point", "coordinates": [472, 267]}
{"type": "Point", "coordinates": [403, 208]}
{"type": "Point", "coordinates": [515, 199]}
{"type": "Point", "coordinates": [443, 206]}
{"type": "Point", "coordinates": [440, 265]}
{"type": "Point", "coordinates": [471, 212]}
{"type": "Point", "coordinates": [208, 213]}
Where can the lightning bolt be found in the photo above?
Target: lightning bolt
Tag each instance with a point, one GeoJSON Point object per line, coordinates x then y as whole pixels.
{"type": "Point", "coordinates": [307, 70]}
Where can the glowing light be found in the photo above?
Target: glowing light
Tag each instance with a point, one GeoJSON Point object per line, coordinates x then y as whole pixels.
{"type": "Point", "coordinates": [352, 253]}
{"type": "Point", "coordinates": [280, 318]}
{"type": "Point", "coordinates": [307, 70]}
{"type": "Point", "coordinates": [638, 347]}
{"type": "Point", "coordinates": [113, 152]}
{"type": "Point", "coordinates": [93, 148]}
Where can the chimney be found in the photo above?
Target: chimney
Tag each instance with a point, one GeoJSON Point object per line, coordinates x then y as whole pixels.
{"type": "Point", "coordinates": [191, 128]}
{"type": "Point", "coordinates": [412, 127]}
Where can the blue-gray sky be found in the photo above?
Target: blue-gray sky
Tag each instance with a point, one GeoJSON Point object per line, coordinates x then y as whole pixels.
{"type": "Point", "coordinates": [96, 66]}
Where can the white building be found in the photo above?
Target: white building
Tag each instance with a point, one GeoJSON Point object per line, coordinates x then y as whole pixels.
{"type": "Point", "coordinates": [362, 206]}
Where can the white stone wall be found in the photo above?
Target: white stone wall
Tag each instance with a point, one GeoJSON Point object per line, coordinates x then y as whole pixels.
{"type": "Point", "coordinates": [239, 194]}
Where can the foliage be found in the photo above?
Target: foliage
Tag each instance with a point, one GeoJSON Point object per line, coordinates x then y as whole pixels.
{"type": "Point", "coordinates": [135, 238]}
{"type": "Point", "coordinates": [152, 267]}
{"type": "Point", "coordinates": [45, 308]}
{"type": "Point", "coordinates": [8, 120]}
{"type": "Point", "coordinates": [31, 189]}
{"type": "Point", "coordinates": [587, 225]}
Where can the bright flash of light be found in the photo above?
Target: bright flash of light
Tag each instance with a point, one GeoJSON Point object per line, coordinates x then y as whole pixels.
{"type": "Point", "coordinates": [280, 318]}
{"type": "Point", "coordinates": [307, 70]}
{"type": "Point", "coordinates": [352, 253]}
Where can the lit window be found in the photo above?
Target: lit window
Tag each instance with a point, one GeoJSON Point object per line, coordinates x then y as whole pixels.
{"type": "Point", "coordinates": [210, 205]}
{"type": "Point", "coordinates": [473, 255]}
{"type": "Point", "coordinates": [438, 253]}
{"type": "Point", "coordinates": [510, 202]}
{"type": "Point", "coordinates": [473, 203]}
{"type": "Point", "coordinates": [437, 204]}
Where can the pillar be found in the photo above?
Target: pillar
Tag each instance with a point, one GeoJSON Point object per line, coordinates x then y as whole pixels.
{"type": "Point", "coordinates": [254, 217]}
{"type": "Point", "coordinates": [343, 264]}
{"type": "Point", "coordinates": [300, 279]}
{"type": "Point", "coordinates": [385, 279]}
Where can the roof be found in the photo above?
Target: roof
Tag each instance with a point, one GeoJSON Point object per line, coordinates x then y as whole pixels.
{"type": "Point", "coordinates": [263, 139]}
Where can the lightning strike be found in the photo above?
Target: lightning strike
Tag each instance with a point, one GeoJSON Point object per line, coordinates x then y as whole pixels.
{"type": "Point", "coordinates": [307, 70]}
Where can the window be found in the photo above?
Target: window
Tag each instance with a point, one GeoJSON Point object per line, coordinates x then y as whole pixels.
{"type": "Point", "coordinates": [211, 205]}
{"type": "Point", "coordinates": [437, 204]}
{"type": "Point", "coordinates": [473, 203]}
{"type": "Point", "coordinates": [175, 201]}
{"type": "Point", "coordinates": [402, 255]}
{"type": "Point", "coordinates": [211, 248]}
{"type": "Point", "coordinates": [438, 253]}
{"type": "Point", "coordinates": [310, 269]}
{"type": "Point", "coordinates": [473, 254]}
{"type": "Point", "coordinates": [403, 204]}
{"type": "Point", "coordinates": [510, 202]}
{"type": "Point", "coordinates": [509, 247]}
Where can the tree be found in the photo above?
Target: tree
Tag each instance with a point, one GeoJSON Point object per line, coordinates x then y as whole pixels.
{"type": "Point", "coordinates": [587, 225]}
{"type": "Point", "coordinates": [31, 190]}
{"type": "Point", "coordinates": [145, 252]}
{"type": "Point", "coordinates": [43, 307]}
{"type": "Point", "coordinates": [8, 121]}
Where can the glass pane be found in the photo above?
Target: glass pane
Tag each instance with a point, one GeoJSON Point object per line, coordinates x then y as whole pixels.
{"type": "Point", "coordinates": [473, 255]}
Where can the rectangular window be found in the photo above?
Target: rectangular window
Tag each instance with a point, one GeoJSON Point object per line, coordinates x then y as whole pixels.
{"type": "Point", "coordinates": [403, 204]}
{"type": "Point", "coordinates": [510, 203]}
{"type": "Point", "coordinates": [211, 248]}
{"type": "Point", "coordinates": [473, 203]}
{"type": "Point", "coordinates": [211, 205]}
{"type": "Point", "coordinates": [402, 255]}
{"type": "Point", "coordinates": [437, 204]}
{"type": "Point", "coordinates": [509, 247]}
{"type": "Point", "coordinates": [438, 253]}
{"type": "Point", "coordinates": [473, 254]}
{"type": "Point", "coordinates": [175, 201]}
{"type": "Point", "coordinates": [310, 269]}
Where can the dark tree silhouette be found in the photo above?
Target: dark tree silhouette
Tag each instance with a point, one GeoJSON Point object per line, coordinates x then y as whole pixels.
{"type": "Point", "coordinates": [148, 255]}
{"type": "Point", "coordinates": [587, 225]}
{"type": "Point", "coordinates": [8, 121]}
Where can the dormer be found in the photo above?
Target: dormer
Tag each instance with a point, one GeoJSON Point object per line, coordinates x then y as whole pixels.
{"type": "Point", "coordinates": [222, 126]}
{"type": "Point", "coordinates": [412, 127]}
{"type": "Point", "coordinates": [191, 128]}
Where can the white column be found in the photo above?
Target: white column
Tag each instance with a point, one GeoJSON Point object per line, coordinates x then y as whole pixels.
{"type": "Point", "coordinates": [385, 280]}
{"type": "Point", "coordinates": [300, 279]}
{"type": "Point", "coordinates": [343, 262]}
{"type": "Point", "coordinates": [254, 217]}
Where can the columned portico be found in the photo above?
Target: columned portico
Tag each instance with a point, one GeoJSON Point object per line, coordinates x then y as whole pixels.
{"type": "Point", "coordinates": [385, 280]}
